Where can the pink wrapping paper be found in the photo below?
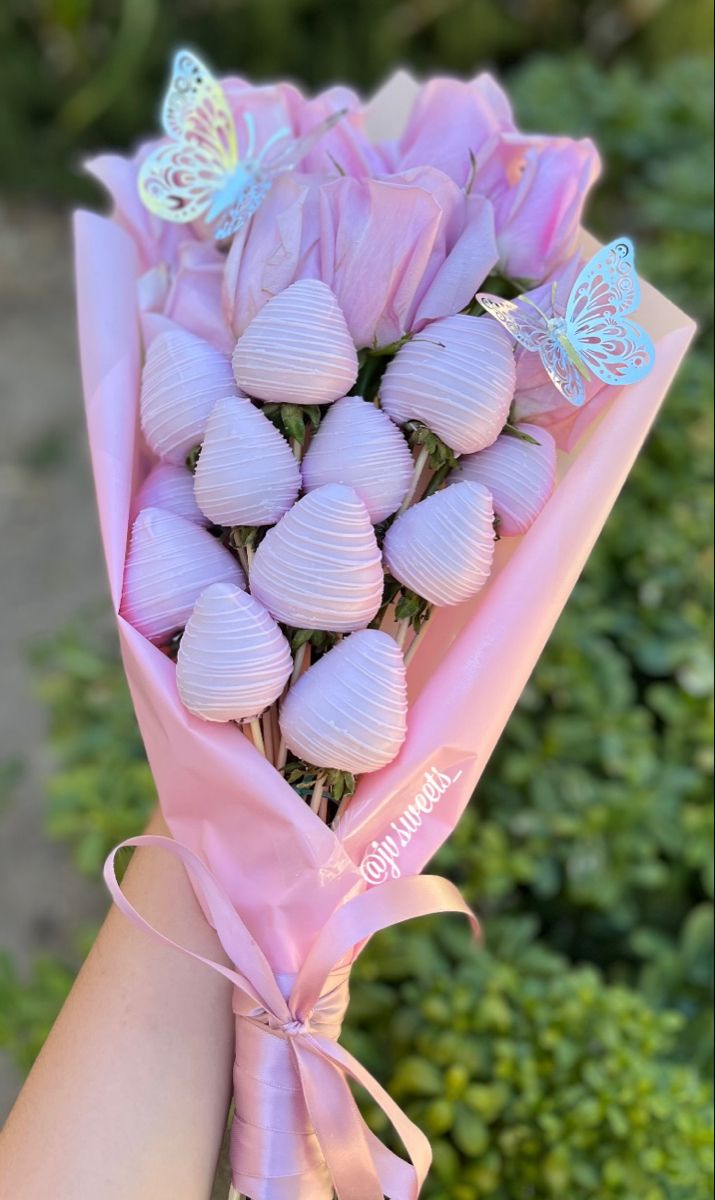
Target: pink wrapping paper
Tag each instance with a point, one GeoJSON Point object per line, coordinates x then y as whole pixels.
{"type": "Point", "coordinates": [219, 796]}
{"type": "Point", "coordinates": [283, 870]}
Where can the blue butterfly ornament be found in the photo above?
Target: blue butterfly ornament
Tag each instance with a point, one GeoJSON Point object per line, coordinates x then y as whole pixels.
{"type": "Point", "coordinates": [197, 172]}
{"type": "Point", "coordinates": [595, 336]}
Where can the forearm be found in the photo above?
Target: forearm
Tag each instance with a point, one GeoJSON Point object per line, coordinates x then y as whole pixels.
{"type": "Point", "coordinates": [128, 1099]}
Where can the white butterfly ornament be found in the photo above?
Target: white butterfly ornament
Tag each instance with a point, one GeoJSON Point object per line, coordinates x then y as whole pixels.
{"type": "Point", "coordinates": [595, 335]}
{"type": "Point", "coordinates": [198, 172]}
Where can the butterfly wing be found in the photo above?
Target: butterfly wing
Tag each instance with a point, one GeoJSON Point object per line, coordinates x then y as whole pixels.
{"type": "Point", "coordinates": [288, 151]}
{"type": "Point", "coordinates": [562, 372]}
{"type": "Point", "coordinates": [281, 153]}
{"type": "Point", "coordinates": [530, 326]}
{"type": "Point", "coordinates": [178, 180]}
{"type": "Point", "coordinates": [523, 321]}
{"type": "Point", "coordinates": [242, 209]}
{"type": "Point", "coordinates": [614, 348]}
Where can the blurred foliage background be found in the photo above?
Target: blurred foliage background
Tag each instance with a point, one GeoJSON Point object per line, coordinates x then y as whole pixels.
{"type": "Point", "coordinates": [571, 1057]}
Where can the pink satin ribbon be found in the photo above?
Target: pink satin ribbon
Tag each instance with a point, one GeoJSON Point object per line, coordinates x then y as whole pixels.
{"type": "Point", "coordinates": [298, 1132]}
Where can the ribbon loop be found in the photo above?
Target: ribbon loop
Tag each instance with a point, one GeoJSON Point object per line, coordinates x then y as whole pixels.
{"type": "Point", "coordinates": [254, 974]}
{"type": "Point", "coordinates": [358, 919]}
{"type": "Point", "coordinates": [298, 1133]}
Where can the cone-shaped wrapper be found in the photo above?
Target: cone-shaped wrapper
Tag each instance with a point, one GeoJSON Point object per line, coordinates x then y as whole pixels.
{"type": "Point", "coordinates": [443, 547]}
{"type": "Point", "coordinates": [320, 568]}
{"type": "Point", "coordinates": [358, 445]}
{"type": "Point", "coordinates": [349, 711]}
{"type": "Point", "coordinates": [183, 377]}
{"type": "Point", "coordinates": [519, 475]}
{"type": "Point", "coordinates": [169, 563]}
{"type": "Point", "coordinates": [247, 473]}
{"type": "Point", "coordinates": [285, 871]}
{"type": "Point", "coordinates": [233, 659]}
{"type": "Point", "coordinates": [298, 349]}
{"type": "Point", "coordinates": [457, 377]}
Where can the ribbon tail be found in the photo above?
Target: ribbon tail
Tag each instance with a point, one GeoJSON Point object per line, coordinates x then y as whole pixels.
{"type": "Point", "coordinates": [397, 1177]}
{"type": "Point", "coordinates": [341, 1131]}
{"type": "Point", "coordinates": [360, 1166]}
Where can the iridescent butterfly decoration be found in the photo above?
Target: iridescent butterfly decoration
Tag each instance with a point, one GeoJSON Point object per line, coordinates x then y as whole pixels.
{"type": "Point", "coordinates": [595, 335]}
{"type": "Point", "coordinates": [198, 171]}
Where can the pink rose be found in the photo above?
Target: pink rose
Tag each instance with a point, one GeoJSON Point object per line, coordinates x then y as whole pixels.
{"type": "Point", "coordinates": [279, 246]}
{"type": "Point", "coordinates": [187, 295]}
{"type": "Point", "coordinates": [270, 108]}
{"type": "Point", "coordinates": [397, 251]}
{"type": "Point", "coordinates": [402, 250]}
{"type": "Point", "coordinates": [538, 187]}
{"type": "Point", "coordinates": [449, 120]}
{"type": "Point", "coordinates": [346, 149]}
{"type": "Point", "coordinates": [194, 296]}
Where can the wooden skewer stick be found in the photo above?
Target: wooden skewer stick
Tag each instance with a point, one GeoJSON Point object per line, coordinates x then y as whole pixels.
{"type": "Point", "coordinates": [402, 631]}
{"type": "Point", "coordinates": [267, 727]}
{"type": "Point", "coordinates": [297, 668]}
{"type": "Point", "coordinates": [420, 463]}
{"type": "Point", "coordinates": [298, 662]}
{"type": "Point", "coordinates": [282, 757]}
{"type": "Point", "coordinates": [317, 797]}
{"type": "Point", "coordinates": [255, 726]}
{"type": "Point", "coordinates": [415, 644]}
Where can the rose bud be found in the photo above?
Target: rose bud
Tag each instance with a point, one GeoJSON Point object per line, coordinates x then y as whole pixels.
{"type": "Point", "coordinates": [319, 567]}
{"type": "Point", "coordinates": [233, 660]}
{"type": "Point", "coordinates": [183, 378]}
{"type": "Point", "coordinates": [169, 563]}
{"type": "Point", "coordinates": [349, 710]}
{"type": "Point", "coordinates": [358, 445]}
{"type": "Point", "coordinates": [443, 547]}
{"type": "Point", "coordinates": [247, 473]}
{"type": "Point", "coordinates": [457, 377]}
{"type": "Point", "coordinates": [170, 487]}
{"type": "Point", "coordinates": [297, 349]}
{"type": "Point", "coordinates": [519, 475]}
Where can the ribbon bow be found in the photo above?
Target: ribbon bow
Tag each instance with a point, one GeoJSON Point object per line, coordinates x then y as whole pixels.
{"type": "Point", "coordinates": [334, 1134]}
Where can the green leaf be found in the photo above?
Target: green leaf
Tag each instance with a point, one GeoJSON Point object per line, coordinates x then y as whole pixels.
{"type": "Point", "coordinates": [301, 637]}
{"type": "Point", "coordinates": [512, 431]}
{"type": "Point", "coordinates": [293, 422]}
{"type": "Point", "coordinates": [313, 414]}
{"type": "Point", "coordinates": [192, 459]}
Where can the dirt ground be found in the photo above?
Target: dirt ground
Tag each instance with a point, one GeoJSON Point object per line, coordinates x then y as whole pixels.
{"type": "Point", "coordinates": [51, 569]}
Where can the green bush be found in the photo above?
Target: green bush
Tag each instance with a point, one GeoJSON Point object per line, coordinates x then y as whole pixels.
{"type": "Point", "coordinates": [531, 1077]}
{"type": "Point", "coordinates": [29, 1005]}
{"type": "Point", "coordinates": [596, 810]}
{"type": "Point", "coordinates": [102, 790]}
